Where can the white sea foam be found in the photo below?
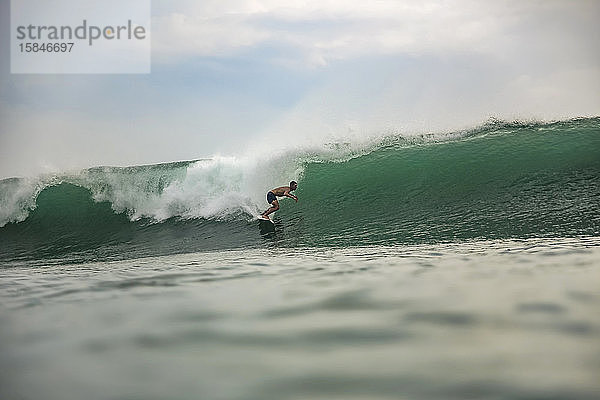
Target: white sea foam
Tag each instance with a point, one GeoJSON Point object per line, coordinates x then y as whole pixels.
{"type": "Point", "coordinates": [218, 188]}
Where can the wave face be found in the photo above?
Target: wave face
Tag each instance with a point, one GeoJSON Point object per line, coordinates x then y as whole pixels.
{"type": "Point", "coordinates": [501, 180]}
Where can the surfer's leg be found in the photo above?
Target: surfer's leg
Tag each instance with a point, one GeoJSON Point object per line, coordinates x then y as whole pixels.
{"type": "Point", "coordinates": [272, 200]}
{"type": "Point", "coordinates": [274, 207]}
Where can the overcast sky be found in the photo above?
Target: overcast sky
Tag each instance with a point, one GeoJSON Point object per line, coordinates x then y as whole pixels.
{"type": "Point", "coordinates": [231, 74]}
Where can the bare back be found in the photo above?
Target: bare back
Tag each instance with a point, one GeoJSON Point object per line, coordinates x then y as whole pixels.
{"type": "Point", "coordinates": [280, 191]}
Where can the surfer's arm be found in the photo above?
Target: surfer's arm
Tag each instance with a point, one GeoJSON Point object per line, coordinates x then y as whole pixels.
{"type": "Point", "coordinates": [291, 196]}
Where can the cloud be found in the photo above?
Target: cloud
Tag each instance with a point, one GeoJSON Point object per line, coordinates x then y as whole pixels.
{"type": "Point", "coordinates": [320, 31]}
{"type": "Point", "coordinates": [273, 73]}
{"type": "Point", "coordinates": [180, 35]}
{"type": "Point", "coordinates": [316, 33]}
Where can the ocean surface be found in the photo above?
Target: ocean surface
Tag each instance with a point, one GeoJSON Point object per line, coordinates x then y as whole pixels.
{"type": "Point", "coordinates": [444, 266]}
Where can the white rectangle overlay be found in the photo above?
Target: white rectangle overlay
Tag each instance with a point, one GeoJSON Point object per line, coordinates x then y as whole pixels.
{"type": "Point", "coordinates": [80, 37]}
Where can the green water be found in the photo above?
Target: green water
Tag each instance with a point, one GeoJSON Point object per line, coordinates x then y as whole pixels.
{"type": "Point", "coordinates": [464, 265]}
{"type": "Point", "coordinates": [500, 181]}
{"type": "Point", "coordinates": [479, 320]}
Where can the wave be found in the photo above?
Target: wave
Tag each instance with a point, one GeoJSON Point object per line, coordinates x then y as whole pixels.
{"type": "Point", "coordinates": [499, 180]}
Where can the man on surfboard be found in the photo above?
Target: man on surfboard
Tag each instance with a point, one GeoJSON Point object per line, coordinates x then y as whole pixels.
{"type": "Point", "coordinates": [282, 191]}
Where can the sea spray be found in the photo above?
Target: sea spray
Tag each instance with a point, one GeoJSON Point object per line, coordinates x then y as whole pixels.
{"type": "Point", "coordinates": [500, 180]}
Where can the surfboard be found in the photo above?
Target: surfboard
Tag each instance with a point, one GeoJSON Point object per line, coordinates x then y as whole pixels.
{"type": "Point", "coordinates": [265, 225]}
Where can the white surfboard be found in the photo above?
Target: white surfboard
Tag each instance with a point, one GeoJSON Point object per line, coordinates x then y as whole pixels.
{"type": "Point", "coordinates": [263, 218]}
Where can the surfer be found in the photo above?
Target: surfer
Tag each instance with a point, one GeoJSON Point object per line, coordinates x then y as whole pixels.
{"type": "Point", "coordinates": [282, 191]}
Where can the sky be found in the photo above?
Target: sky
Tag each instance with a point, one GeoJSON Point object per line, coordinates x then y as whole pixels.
{"type": "Point", "coordinates": [231, 77]}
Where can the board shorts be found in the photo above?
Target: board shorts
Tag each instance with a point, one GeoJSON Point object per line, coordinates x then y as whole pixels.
{"type": "Point", "coordinates": [270, 197]}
